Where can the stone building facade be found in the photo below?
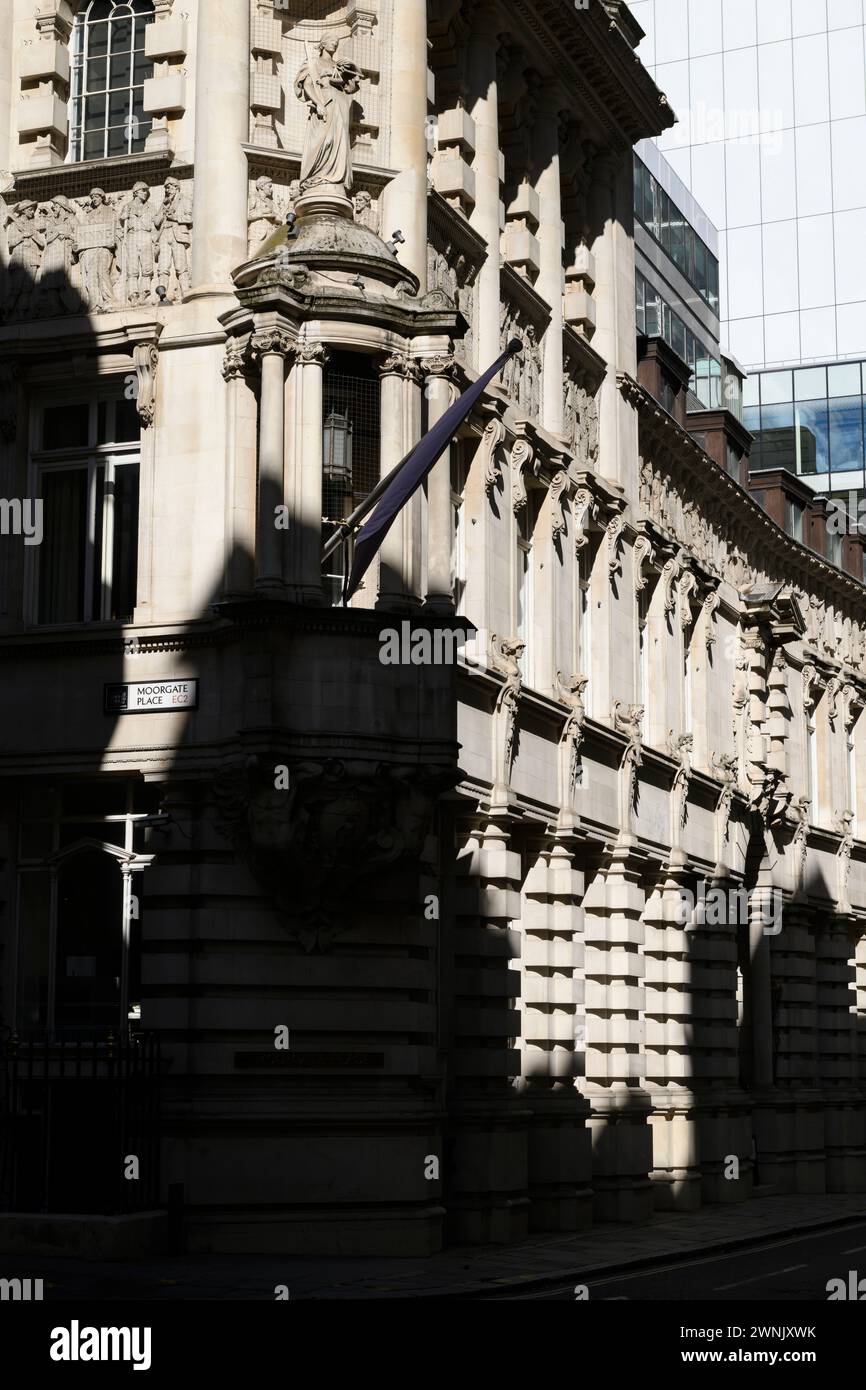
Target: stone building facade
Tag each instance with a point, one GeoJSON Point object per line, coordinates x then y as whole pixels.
{"type": "Point", "coordinates": [431, 951]}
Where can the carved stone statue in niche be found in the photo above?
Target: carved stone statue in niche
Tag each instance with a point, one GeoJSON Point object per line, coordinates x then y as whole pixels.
{"type": "Point", "coordinates": [95, 245]}
{"type": "Point", "coordinates": [329, 88]}
{"type": "Point", "coordinates": [521, 376]}
{"type": "Point", "coordinates": [175, 236]}
{"type": "Point", "coordinates": [450, 272]}
{"type": "Point", "coordinates": [141, 222]}
{"type": "Point", "coordinates": [580, 427]}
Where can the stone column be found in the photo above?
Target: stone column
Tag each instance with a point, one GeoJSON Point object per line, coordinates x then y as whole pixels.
{"type": "Point", "coordinates": [272, 346]}
{"type": "Point", "coordinates": [440, 393]}
{"type": "Point", "coordinates": [303, 480]}
{"type": "Point", "coordinates": [550, 282]}
{"type": "Point", "coordinates": [400, 422]}
{"type": "Point", "coordinates": [240, 535]}
{"type": "Point", "coordinates": [485, 215]}
{"type": "Point", "coordinates": [222, 128]}
{"type": "Point", "coordinates": [404, 201]}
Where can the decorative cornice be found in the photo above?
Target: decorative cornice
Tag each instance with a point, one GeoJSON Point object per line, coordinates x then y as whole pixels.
{"type": "Point", "coordinates": [667, 443]}
{"type": "Point", "coordinates": [596, 62]}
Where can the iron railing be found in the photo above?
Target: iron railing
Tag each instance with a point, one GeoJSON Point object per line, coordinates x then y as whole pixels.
{"type": "Point", "coordinates": [74, 1114]}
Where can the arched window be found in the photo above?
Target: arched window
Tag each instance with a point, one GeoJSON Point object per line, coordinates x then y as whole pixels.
{"type": "Point", "coordinates": [109, 68]}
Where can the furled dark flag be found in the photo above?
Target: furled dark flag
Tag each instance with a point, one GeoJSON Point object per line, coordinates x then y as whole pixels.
{"type": "Point", "coordinates": [411, 474]}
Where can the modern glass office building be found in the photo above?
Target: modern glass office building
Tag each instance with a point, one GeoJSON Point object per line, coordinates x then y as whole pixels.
{"type": "Point", "coordinates": [771, 141]}
{"type": "Point", "coordinates": [677, 273]}
{"type": "Point", "coordinates": [812, 417]}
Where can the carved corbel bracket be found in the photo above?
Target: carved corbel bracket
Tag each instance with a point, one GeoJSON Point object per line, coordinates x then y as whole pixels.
{"type": "Point", "coordinates": [145, 358]}
{"type": "Point", "coordinates": [711, 606]}
{"type": "Point", "coordinates": [672, 571]}
{"type": "Point", "coordinates": [852, 705]}
{"type": "Point", "coordinates": [687, 586]}
{"type": "Point", "coordinates": [614, 530]}
{"type": "Point", "coordinates": [834, 687]}
{"type": "Point", "coordinates": [584, 509]}
{"type": "Point", "coordinates": [595, 502]}
{"type": "Point", "coordinates": [237, 360]}
{"type": "Point", "coordinates": [492, 440]}
{"type": "Point", "coordinates": [643, 553]}
{"type": "Point", "coordinates": [559, 484]}
{"type": "Point", "coordinates": [522, 458]}
{"type": "Point", "coordinates": [810, 679]}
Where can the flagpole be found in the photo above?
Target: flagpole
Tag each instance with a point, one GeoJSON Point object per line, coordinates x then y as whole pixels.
{"type": "Point", "coordinates": [345, 528]}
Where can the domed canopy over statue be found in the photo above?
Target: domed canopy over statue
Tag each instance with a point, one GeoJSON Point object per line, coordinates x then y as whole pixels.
{"type": "Point", "coordinates": [329, 88]}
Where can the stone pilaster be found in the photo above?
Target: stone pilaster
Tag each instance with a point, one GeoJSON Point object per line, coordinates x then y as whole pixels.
{"type": "Point", "coordinates": [793, 962]}
{"type": "Point", "coordinates": [404, 200]}
{"type": "Point", "coordinates": [614, 970]}
{"type": "Point", "coordinates": [843, 1137]}
{"type": "Point", "coordinates": [483, 47]}
{"type": "Point", "coordinates": [671, 1019]}
{"type": "Point", "coordinates": [222, 128]}
{"type": "Point", "coordinates": [550, 282]}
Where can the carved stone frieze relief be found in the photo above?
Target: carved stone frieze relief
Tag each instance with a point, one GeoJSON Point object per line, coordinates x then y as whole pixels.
{"type": "Point", "coordinates": [99, 253]}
